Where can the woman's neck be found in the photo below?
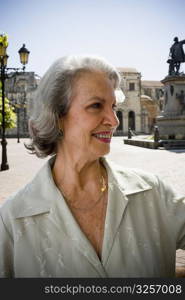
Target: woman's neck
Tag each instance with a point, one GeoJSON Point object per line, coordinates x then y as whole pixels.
{"type": "Point", "coordinates": [75, 171]}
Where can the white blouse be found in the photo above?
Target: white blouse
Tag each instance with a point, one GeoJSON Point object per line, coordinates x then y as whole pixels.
{"type": "Point", "coordinates": [144, 225]}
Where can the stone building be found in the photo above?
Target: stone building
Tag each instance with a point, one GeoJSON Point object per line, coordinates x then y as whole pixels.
{"type": "Point", "coordinates": [129, 112]}
{"type": "Point", "coordinates": [143, 102]}
{"type": "Point", "coordinates": [19, 90]}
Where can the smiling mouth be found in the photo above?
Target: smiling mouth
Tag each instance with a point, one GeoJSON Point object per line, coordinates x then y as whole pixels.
{"type": "Point", "coordinates": [103, 136]}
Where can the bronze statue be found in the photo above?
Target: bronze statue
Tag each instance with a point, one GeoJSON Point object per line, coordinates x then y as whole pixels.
{"type": "Point", "coordinates": [177, 56]}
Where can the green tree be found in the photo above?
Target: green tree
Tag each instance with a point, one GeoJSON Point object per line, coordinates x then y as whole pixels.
{"type": "Point", "coordinates": [10, 116]}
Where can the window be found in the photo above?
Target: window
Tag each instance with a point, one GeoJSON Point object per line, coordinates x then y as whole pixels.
{"type": "Point", "coordinates": [158, 93]}
{"type": "Point", "coordinates": [148, 92]}
{"type": "Point", "coordinates": [131, 120]}
{"type": "Point", "coordinates": [131, 86]}
{"type": "Point", "coordinates": [120, 118]}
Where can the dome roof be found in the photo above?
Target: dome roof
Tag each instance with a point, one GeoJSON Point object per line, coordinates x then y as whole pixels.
{"type": "Point", "coordinates": [145, 97]}
{"type": "Point", "coordinates": [127, 70]}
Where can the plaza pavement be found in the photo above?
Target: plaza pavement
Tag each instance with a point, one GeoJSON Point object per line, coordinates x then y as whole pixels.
{"type": "Point", "coordinates": [170, 165]}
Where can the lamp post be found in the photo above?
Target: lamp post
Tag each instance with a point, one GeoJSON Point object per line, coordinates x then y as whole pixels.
{"type": "Point", "coordinates": [18, 123]}
{"type": "Point", "coordinates": [24, 53]}
{"type": "Point", "coordinates": [19, 108]}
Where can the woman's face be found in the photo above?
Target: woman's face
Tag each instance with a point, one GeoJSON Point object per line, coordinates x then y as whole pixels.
{"type": "Point", "coordinates": [89, 124]}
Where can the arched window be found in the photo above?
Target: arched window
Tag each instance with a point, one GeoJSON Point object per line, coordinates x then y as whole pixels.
{"type": "Point", "coordinates": [131, 120]}
{"type": "Point", "coordinates": [120, 118]}
{"type": "Point", "coordinates": [119, 129]}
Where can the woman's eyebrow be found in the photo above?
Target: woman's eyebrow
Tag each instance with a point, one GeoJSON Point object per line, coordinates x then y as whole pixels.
{"type": "Point", "coordinates": [96, 98]}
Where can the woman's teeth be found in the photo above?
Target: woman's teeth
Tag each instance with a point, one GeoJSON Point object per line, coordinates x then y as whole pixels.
{"type": "Point", "coordinates": [102, 136]}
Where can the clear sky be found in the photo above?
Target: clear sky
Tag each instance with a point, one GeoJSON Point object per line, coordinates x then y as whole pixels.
{"type": "Point", "coordinates": [128, 33]}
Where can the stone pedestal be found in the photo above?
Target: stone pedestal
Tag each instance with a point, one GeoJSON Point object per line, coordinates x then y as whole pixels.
{"type": "Point", "coordinates": [171, 122]}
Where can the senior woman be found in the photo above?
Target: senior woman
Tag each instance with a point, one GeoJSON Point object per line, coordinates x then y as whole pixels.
{"type": "Point", "coordinates": [83, 216]}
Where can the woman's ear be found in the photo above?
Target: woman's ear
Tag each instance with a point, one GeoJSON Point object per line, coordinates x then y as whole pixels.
{"type": "Point", "coordinates": [60, 127]}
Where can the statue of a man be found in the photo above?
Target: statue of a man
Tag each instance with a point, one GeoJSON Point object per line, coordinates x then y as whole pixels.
{"type": "Point", "coordinates": [177, 56]}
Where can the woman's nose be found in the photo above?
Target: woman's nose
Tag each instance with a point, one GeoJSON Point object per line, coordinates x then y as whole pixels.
{"type": "Point", "coordinates": [111, 118]}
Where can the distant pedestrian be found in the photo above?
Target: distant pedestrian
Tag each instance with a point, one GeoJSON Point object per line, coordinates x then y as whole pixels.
{"type": "Point", "coordinates": [129, 133]}
{"type": "Point", "coordinates": [156, 133]}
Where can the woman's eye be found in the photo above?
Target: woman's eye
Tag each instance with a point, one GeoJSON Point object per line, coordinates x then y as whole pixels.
{"type": "Point", "coordinates": [99, 105]}
{"type": "Point", "coordinates": [96, 105]}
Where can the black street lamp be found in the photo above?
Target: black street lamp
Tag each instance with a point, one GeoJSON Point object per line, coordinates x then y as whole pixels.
{"type": "Point", "coordinates": [24, 53]}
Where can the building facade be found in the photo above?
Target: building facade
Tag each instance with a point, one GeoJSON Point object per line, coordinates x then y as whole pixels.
{"type": "Point", "coordinates": [20, 88]}
{"type": "Point", "coordinates": [129, 112]}
{"type": "Point", "coordinates": [143, 102]}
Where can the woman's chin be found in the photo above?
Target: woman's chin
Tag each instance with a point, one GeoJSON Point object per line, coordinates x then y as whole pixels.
{"type": "Point", "coordinates": [105, 151]}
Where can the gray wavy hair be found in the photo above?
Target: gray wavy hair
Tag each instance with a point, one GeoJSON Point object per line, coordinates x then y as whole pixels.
{"type": "Point", "coordinates": [53, 97]}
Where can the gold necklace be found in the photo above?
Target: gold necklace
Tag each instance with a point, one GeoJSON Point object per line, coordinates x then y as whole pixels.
{"type": "Point", "coordinates": [104, 186]}
{"type": "Point", "coordinates": [85, 209]}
